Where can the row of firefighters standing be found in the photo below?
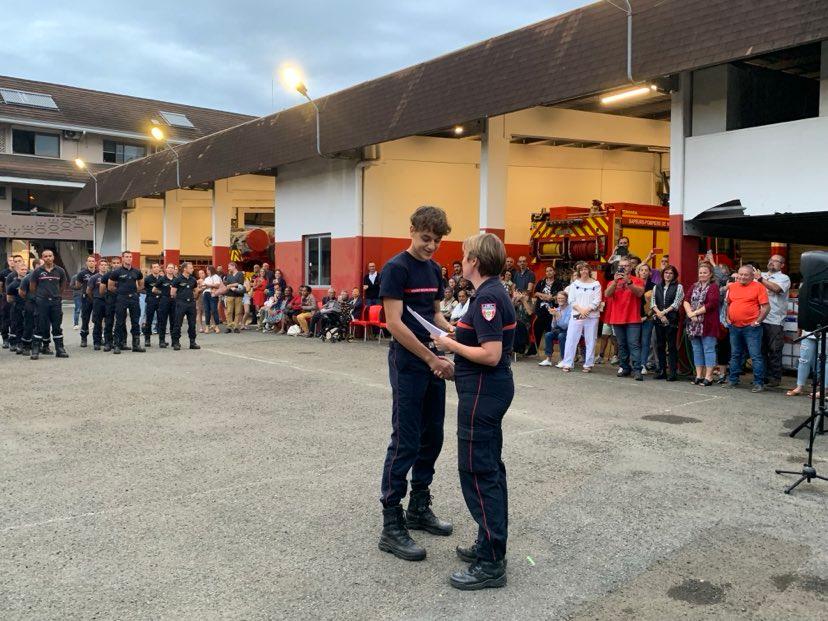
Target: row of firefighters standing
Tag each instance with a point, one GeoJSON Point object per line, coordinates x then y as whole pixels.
{"type": "Point", "coordinates": [32, 311]}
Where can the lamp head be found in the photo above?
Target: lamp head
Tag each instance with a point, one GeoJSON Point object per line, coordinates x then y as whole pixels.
{"type": "Point", "coordinates": [293, 80]}
{"type": "Point", "coordinates": [80, 163]}
{"type": "Point", "coordinates": [157, 133]}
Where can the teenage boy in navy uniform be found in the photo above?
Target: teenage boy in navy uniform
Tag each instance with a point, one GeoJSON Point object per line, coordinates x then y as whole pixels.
{"type": "Point", "coordinates": [81, 282]}
{"type": "Point", "coordinates": [412, 280]}
{"type": "Point", "coordinates": [97, 297]}
{"type": "Point", "coordinates": [46, 286]}
{"type": "Point", "coordinates": [110, 298]}
{"type": "Point", "coordinates": [125, 282]}
{"type": "Point", "coordinates": [485, 387]}
{"type": "Point", "coordinates": [182, 290]}
{"type": "Point", "coordinates": [153, 303]}
{"type": "Point", "coordinates": [165, 304]}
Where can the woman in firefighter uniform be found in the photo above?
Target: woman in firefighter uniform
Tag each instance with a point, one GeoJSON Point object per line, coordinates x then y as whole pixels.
{"type": "Point", "coordinates": [485, 388]}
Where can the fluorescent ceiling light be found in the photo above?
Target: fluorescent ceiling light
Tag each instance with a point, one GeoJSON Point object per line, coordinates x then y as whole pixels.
{"type": "Point", "coordinates": [630, 94]}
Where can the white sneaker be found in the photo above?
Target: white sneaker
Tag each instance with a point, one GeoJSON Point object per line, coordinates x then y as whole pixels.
{"type": "Point", "coordinates": [643, 370]}
{"type": "Point", "coordinates": [545, 363]}
{"type": "Point", "coordinates": [560, 365]}
{"type": "Point", "coordinates": [614, 360]}
{"type": "Point", "coordinates": [76, 327]}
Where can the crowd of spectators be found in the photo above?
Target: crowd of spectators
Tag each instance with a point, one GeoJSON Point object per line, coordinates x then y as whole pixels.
{"type": "Point", "coordinates": [636, 322]}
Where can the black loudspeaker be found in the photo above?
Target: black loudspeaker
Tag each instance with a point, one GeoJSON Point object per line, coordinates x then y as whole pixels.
{"type": "Point", "coordinates": [813, 294]}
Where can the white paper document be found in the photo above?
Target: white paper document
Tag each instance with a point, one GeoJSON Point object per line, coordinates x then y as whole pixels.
{"type": "Point", "coordinates": [432, 329]}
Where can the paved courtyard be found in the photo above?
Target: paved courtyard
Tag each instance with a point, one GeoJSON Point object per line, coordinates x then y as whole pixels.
{"type": "Point", "coordinates": [241, 481]}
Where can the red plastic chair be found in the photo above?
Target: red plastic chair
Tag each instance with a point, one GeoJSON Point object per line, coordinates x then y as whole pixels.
{"type": "Point", "coordinates": [362, 322]}
{"type": "Point", "coordinates": [378, 321]}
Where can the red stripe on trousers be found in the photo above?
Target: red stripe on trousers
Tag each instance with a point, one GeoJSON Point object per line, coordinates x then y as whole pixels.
{"type": "Point", "coordinates": [471, 466]}
{"type": "Point", "coordinates": [394, 417]}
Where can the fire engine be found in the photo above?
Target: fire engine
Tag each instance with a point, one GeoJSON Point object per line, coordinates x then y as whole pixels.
{"type": "Point", "coordinates": [562, 236]}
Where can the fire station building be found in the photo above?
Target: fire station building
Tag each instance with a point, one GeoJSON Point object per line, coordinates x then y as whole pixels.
{"type": "Point", "coordinates": [719, 110]}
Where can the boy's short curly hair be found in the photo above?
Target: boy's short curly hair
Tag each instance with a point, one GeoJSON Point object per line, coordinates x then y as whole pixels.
{"type": "Point", "coordinates": [431, 219]}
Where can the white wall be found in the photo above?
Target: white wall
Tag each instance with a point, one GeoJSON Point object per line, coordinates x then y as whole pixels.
{"type": "Point", "coordinates": [445, 172]}
{"type": "Point", "coordinates": [775, 168]}
{"type": "Point", "coordinates": [710, 100]}
{"type": "Point", "coordinates": [317, 197]}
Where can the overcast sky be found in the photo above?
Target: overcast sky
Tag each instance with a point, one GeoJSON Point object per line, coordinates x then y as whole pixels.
{"type": "Point", "coordinates": [221, 54]}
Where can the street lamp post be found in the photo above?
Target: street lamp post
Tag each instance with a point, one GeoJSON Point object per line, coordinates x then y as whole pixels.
{"type": "Point", "coordinates": [161, 138]}
{"type": "Point", "coordinates": [293, 80]}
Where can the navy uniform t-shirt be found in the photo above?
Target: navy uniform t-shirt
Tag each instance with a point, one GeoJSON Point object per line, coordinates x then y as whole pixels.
{"type": "Point", "coordinates": [126, 280]}
{"type": "Point", "coordinates": [418, 284]}
{"type": "Point", "coordinates": [150, 281]}
{"type": "Point", "coordinates": [164, 284]}
{"type": "Point", "coordinates": [49, 283]}
{"type": "Point", "coordinates": [184, 287]}
{"type": "Point", "coordinates": [82, 278]}
{"type": "Point", "coordinates": [490, 317]}
{"type": "Point", "coordinates": [94, 285]}
{"type": "Point", "coordinates": [4, 275]}
{"type": "Point", "coordinates": [24, 285]}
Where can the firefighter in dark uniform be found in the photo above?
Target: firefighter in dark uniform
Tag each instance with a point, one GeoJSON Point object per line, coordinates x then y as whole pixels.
{"type": "Point", "coordinates": [5, 309]}
{"type": "Point", "coordinates": [166, 314]}
{"type": "Point", "coordinates": [81, 281]}
{"type": "Point", "coordinates": [485, 388]}
{"type": "Point", "coordinates": [97, 295]}
{"type": "Point", "coordinates": [46, 285]}
{"type": "Point", "coordinates": [125, 281]}
{"type": "Point", "coordinates": [153, 301]}
{"type": "Point", "coordinates": [182, 291]}
{"type": "Point", "coordinates": [110, 298]}
{"type": "Point", "coordinates": [29, 315]}
{"type": "Point", "coordinates": [411, 281]}
{"type": "Point", "coordinates": [15, 302]}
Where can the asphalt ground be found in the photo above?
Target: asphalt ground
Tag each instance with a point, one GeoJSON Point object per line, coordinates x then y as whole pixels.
{"type": "Point", "coordinates": [242, 481]}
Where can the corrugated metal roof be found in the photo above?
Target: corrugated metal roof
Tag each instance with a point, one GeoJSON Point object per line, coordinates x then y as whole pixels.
{"type": "Point", "coordinates": [572, 55]}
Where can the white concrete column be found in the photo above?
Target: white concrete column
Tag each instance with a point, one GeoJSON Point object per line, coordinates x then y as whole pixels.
{"type": "Point", "coordinates": [171, 227]}
{"type": "Point", "coordinates": [221, 215]}
{"type": "Point", "coordinates": [823, 81]}
{"type": "Point", "coordinates": [494, 159]}
{"type": "Point", "coordinates": [131, 231]}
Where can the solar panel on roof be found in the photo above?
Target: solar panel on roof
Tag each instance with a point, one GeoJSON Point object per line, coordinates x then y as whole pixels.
{"type": "Point", "coordinates": [24, 98]}
{"type": "Point", "coordinates": [176, 119]}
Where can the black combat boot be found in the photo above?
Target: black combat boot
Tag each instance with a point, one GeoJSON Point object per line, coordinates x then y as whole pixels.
{"type": "Point", "coordinates": [24, 350]}
{"type": "Point", "coordinates": [60, 352]}
{"type": "Point", "coordinates": [176, 345]}
{"type": "Point", "coordinates": [117, 348]}
{"type": "Point", "coordinates": [44, 349]}
{"type": "Point", "coordinates": [395, 538]}
{"type": "Point", "coordinates": [194, 345]}
{"type": "Point", "coordinates": [419, 515]}
{"type": "Point", "coordinates": [5, 344]}
{"type": "Point", "coordinates": [83, 341]}
{"type": "Point", "coordinates": [107, 346]}
{"type": "Point", "coordinates": [471, 553]}
{"type": "Point", "coordinates": [147, 342]}
{"type": "Point", "coordinates": [162, 343]}
{"type": "Point", "coordinates": [480, 575]}
{"type": "Point", "coordinates": [136, 345]}
{"type": "Point", "coordinates": [36, 346]}
{"type": "Point", "coordinates": [96, 346]}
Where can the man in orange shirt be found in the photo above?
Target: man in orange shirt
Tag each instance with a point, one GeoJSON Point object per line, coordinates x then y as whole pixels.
{"type": "Point", "coordinates": [747, 307]}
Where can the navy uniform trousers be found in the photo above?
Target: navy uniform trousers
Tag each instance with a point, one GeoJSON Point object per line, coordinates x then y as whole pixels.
{"type": "Point", "coordinates": [86, 315]}
{"type": "Point", "coordinates": [418, 413]}
{"type": "Point", "coordinates": [123, 303]}
{"type": "Point", "coordinates": [109, 320]}
{"type": "Point", "coordinates": [182, 310]}
{"type": "Point", "coordinates": [98, 316]}
{"type": "Point", "coordinates": [49, 315]}
{"type": "Point", "coordinates": [153, 311]}
{"type": "Point", "coordinates": [15, 322]}
{"type": "Point", "coordinates": [29, 321]}
{"type": "Point", "coordinates": [166, 317]}
{"type": "Point", "coordinates": [484, 399]}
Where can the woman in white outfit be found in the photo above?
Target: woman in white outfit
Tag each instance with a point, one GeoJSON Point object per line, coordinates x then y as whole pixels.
{"type": "Point", "coordinates": [584, 299]}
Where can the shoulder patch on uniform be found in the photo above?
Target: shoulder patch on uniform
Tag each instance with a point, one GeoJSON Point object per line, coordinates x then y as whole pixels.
{"type": "Point", "coordinates": [489, 311]}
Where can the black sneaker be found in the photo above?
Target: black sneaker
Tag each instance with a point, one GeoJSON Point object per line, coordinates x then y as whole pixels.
{"type": "Point", "coordinates": [757, 388]}
{"type": "Point", "coordinates": [638, 377]}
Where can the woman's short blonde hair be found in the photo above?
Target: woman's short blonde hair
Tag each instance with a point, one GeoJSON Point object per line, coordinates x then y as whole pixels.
{"type": "Point", "coordinates": [489, 252]}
